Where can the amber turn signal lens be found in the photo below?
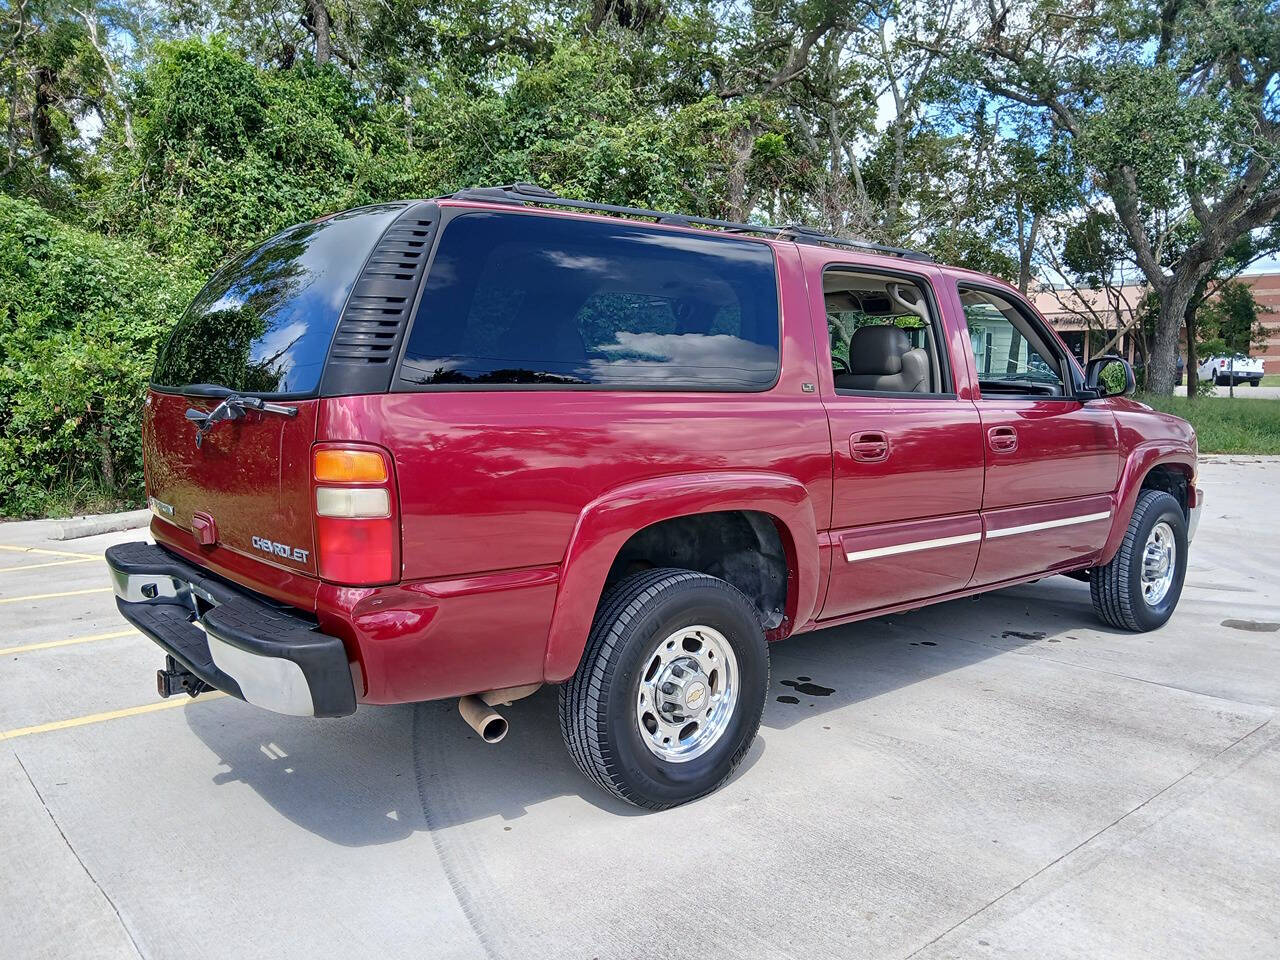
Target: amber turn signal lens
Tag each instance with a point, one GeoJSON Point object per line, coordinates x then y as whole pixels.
{"type": "Point", "coordinates": [350, 466]}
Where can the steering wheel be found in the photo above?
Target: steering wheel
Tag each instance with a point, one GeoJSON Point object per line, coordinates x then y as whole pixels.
{"type": "Point", "coordinates": [839, 365]}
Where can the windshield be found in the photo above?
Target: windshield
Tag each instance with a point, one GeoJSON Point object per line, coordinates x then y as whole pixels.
{"type": "Point", "coordinates": [263, 324]}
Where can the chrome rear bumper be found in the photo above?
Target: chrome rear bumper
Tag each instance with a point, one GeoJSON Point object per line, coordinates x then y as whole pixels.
{"type": "Point", "coordinates": [229, 638]}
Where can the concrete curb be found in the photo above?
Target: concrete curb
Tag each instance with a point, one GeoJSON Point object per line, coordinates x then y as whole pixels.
{"type": "Point", "coordinates": [76, 527]}
{"type": "Point", "coordinates": [1239, 458]}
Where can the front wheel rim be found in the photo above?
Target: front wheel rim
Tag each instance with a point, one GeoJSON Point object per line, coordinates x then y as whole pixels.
{"type": "Point", "coordinates": [687, 693]}
{"type": "Point", "coordinates": [1159, 563]}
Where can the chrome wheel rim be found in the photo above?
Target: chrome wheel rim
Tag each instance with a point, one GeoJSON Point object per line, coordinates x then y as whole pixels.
{"type": "Point", "coordinates": [688, 690]}
{"type": "Point", "coordinates": [1159, 558]}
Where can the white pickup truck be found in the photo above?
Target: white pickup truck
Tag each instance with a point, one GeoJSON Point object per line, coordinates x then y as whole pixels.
{"type": "Point", "coordinates": [1227, 370]}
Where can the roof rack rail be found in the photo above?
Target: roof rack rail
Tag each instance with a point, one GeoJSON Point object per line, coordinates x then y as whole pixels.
{"type": "Point", "coordinates": [528, 193]}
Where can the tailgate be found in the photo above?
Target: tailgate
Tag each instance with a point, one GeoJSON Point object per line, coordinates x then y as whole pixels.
{"type": "Point", "coordinates": [246, 488]}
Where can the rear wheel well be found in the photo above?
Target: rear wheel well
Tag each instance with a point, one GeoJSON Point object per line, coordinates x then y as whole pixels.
{"type": "Point", "coordinates": [1172, 480]}
{"type": "Point", "coordinates": [742, 547]}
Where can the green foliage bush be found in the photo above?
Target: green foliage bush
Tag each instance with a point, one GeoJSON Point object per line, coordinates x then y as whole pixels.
{"type": "Point", "coordinates": [228, 154]}
{"type": "Point", "coordinates": [576, 124]}
{"type": "Point", "coordinates": [80, 318]}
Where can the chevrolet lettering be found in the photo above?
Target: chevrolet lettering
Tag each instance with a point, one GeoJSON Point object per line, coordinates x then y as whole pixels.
{"type": "Point", "coordinates": [280, 549]}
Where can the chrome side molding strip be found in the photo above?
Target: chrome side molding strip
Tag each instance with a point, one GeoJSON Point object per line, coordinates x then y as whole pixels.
{"type": "Point", "coordinates": [852, 555]}
{"type": "Point", "coordinates": [874, 552]}
{"type": "Point", "coordinates": [1047, 524]}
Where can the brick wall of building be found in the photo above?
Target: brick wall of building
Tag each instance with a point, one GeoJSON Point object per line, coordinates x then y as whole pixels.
{"type": "Point", "coordinates": [1062, 309]}
{"type": "Point", "coordinates": [1266, 290]}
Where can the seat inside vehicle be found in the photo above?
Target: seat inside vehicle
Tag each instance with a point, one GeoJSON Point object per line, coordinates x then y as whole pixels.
{"type": "Point", "coordinates": [882, 334]}
{"type": "Point", "coordinates": [882, 358]}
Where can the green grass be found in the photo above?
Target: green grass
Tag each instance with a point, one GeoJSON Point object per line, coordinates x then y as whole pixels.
{"type": "Point", "coordinates": [76, 498]}
{"type": "Point", "coordinates": [1224, 425]}
{"type": "Point", "coordinates": [1271, 380]}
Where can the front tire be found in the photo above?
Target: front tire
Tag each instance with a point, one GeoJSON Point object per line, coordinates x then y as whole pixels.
{"type": "Point", "coordinates": [669, 694]}
{"type": "Point", "coordinates": [1139, 589]}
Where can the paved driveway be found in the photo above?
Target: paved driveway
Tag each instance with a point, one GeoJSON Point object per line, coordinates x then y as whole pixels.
{"type": "Point", "coordinates": [995, 777]}
{"type": "Point", "coordinates": [1242, 390]}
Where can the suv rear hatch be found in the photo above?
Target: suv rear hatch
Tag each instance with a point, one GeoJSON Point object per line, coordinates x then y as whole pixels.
{"type": "Point", "coordinates": [239, 501]}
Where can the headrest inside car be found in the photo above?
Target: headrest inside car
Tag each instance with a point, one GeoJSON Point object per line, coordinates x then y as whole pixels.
{"type": "Point", "coordinates": [877, 350]}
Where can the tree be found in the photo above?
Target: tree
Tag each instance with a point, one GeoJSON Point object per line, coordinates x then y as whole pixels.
{"type": "Point", "coordinates": [1099, 284]}
{"type": "Point", "coordinates": [1232, 322]}
{"type": "Point", "coordinates": [1173, 110]}
{"type": "Point", "coordinates": [52, 80]}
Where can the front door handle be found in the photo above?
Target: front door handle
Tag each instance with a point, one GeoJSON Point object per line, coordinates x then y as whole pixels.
{"type": "Point", "coordinates": [1003, 439]}
{"type": "Point", "coordinates": [870, 446]}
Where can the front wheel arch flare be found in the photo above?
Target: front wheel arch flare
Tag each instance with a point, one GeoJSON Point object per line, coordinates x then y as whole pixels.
{"type": "Point", "coordinates": [1137, 467]}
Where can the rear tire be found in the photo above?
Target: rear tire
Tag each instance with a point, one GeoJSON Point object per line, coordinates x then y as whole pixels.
{"type": "Point", "coordinates": [1139, 589]}
{"type": "Point", "coordinates": [662, 629]}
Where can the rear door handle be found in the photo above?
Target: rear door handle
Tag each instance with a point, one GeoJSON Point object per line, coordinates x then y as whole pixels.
{"type": "Point", "coordinates": [870, 446]}
{"type": "Point", "coordinates": [1003, 439]}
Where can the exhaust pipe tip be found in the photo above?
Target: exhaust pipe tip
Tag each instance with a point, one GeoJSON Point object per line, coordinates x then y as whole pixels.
{"type": "Point", "coordinates": [483, 719]}
{"type": "Point", "coordinates": [495, 729]}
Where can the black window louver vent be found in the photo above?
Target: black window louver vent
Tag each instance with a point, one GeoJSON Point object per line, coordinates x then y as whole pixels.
{"type": "Point", "coordinates": [368, 337]}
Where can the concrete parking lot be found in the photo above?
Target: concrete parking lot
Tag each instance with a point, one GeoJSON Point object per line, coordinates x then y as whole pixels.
{"type": "Point", "coordinates": [1242, 390]}
{"type": "Point", "coordinates": [992, 777]}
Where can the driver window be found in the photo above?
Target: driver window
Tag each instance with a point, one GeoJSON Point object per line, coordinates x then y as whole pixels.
{"type": "Point", "coordinates": [1011, 355]}
{"type": "Point", "coordinates": [883, 335]}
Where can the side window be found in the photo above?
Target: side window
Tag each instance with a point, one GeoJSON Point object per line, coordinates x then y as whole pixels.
{"type": "Point", "coordinates": [544, 300]}
{"type": "Point", "coordinates": [1012, 356]}
{"type": "Point", "coordinates": [884, 334]}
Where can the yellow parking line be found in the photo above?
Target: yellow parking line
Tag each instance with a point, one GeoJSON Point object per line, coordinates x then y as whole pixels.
{"type": "Point", "coordinates": [50, 596]}
{"type": "Point", "coordinates": [51, 563]}
{"type": "Point", "coordinates": [51, 553]}
{"type": "Point", "coordinates": [109, 715]}
{"type": "Point", "coordinates": [28, 647]}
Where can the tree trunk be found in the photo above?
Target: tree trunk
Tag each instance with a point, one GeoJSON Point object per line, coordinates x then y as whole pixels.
{"type": "Point", "coordinates": [744, 142]}
{"type": "Point", "coordinates": [106, 457]}
{"type": "Point", "coordinates": [1026, 248]}
{"type": "Point", "coordinates": [318, 24]}
{"type": "Point", "coordinates": [894, 206]}
{"type": "Point", "coordinates": [1162, 364]}
{"type": "Point", "coordinates": [43, 133]}
{"type": "Point", "coordinates": [1189, 323]}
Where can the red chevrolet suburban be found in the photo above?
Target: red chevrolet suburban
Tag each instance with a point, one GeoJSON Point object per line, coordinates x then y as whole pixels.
{"type": "Point", "coordinates": [467, 446]}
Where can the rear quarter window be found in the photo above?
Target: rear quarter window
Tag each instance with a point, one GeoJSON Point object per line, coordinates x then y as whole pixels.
{"type": "Point", "coordinates": [264, 322]}
{"type": "Point", "coordinates": [523, 299]}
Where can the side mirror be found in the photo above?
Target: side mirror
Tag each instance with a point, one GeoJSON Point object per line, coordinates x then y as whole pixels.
{"type": "Point", "coordinates": [1108, 376]}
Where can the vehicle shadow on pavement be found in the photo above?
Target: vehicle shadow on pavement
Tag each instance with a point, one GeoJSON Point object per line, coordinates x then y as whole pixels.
{"type": "Point", "coordinates": [828, 669]}
{"type": "Point", "coordinates": [388, 772]}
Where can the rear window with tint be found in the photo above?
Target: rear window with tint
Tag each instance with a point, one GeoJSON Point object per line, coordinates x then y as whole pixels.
{"type": "Point", "coordinates": [263, 324]}
{"type": "Point", "coordinates": [529, 299]}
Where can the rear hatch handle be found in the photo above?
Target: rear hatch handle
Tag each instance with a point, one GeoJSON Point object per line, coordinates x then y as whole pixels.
{"type": "Point", "coordinates": [233, 407]}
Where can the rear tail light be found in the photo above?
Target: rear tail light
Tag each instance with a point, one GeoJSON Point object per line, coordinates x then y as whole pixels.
{"type": "Point", "coordinates": [361, 504]}
{"type": "Point", "coordinates": [342, 465]}
{"type": "Point", "coordinates": [357, 530]}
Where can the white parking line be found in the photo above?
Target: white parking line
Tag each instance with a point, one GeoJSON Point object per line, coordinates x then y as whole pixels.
{"type": "Point", "coordinates": [50, 596]}
{"type": "Point", "coordinates": [109, 715]}
{"type": "Point", "coordinates": [28, 647]}
{"type": "Point", "coordinates": [51, 563]}
{"type": "Point", "coordinates": [50, 553]}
